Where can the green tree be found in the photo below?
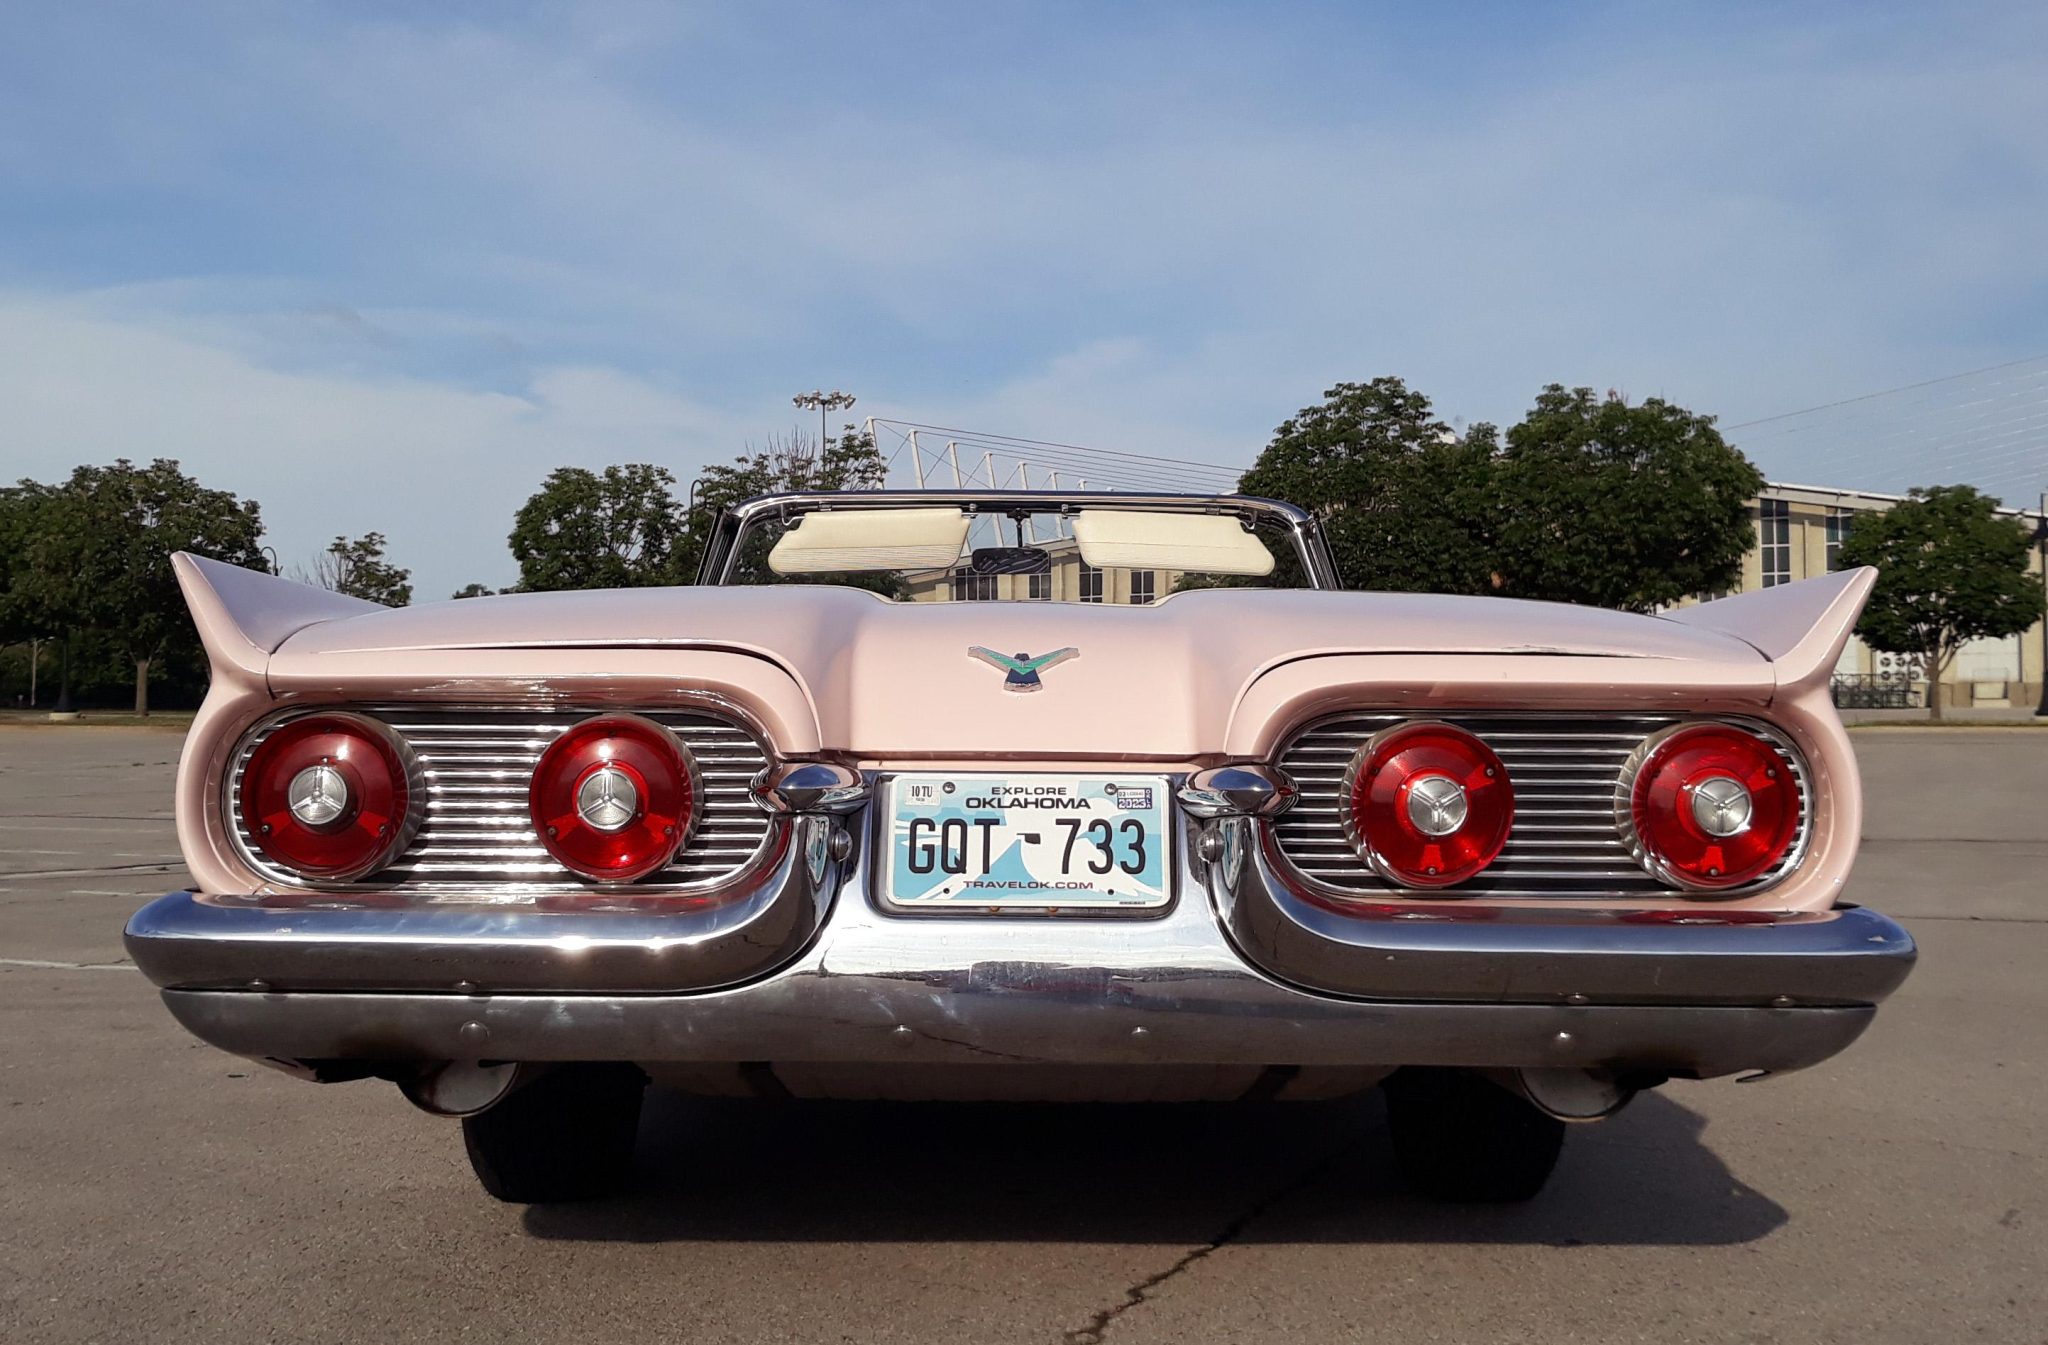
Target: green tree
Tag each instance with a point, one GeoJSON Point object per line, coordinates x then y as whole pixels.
{"type": "Point", "coordinates": [26, 614]}
{"type": "Point", "coordinates": [25, 611]}
{"type": "Point", "coordinates": [1405, 502]}
{"type": "Point", "coordinates": [1615, 505]}
{"type": "Point", "coordinates": [473, 591]}
{"type": "Point", "coordinates": [582, 529]}
{"type": "Point", "coordinates": [104, 559]}
{"type": "Point", "coordinates": [849, 462]}
{"type": "Point", "coordinates": [358, 568]}
{"type": "Point", "coordinates": [1949, 570]}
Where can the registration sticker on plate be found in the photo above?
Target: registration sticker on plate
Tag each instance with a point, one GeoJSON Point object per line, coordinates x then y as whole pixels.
{"type": "Point", "coordinates": [1028, 841]}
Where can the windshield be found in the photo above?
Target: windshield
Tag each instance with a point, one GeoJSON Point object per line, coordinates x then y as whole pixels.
{"type": "Point", "coordinates": [1017, 547]}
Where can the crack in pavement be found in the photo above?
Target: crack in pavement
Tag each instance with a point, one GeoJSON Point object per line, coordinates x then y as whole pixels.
{"type": "Point", "coordinates": [1976, 919]}
{"type": "Point", "coordinates": [1871, 842]}
{"type": "Point", "coordinates": [153, 866]}
{"type": "Point", "coordinates": [12, 818]}
{"type": "Point", "coordinates": [40, 964]}
{"type": "Point", "coordinates": [1142, 1292]}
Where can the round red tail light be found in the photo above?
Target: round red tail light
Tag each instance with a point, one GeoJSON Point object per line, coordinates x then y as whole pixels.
{"type": "Point", "coordinates": [614, 798]}
{"type": "Point", "coordinates": [331, 796]}
{"type": "Point", "coordinates": [1708, 806]}
{"type": "Point", "coordinates": [1428, 805]}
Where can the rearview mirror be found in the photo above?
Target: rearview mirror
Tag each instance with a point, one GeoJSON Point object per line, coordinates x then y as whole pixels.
{"type": "Point", "coordinates": [1010, 560]}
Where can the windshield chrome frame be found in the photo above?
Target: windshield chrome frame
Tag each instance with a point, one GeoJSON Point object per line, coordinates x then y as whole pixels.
{"type": "Point", "coordinates": [722, 549]}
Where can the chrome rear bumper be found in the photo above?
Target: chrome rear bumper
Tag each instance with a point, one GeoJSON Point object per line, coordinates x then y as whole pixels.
{"type": "Point", "coordinates": [1203, 1022]}
{"type": "Point", "coordinates": [1239, 971]}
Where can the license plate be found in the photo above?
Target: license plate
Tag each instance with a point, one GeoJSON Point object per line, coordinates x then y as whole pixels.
{"type": "Point", "coordinates": [1004, 842]}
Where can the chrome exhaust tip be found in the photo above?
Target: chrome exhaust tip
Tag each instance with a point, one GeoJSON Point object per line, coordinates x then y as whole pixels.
{"type": "Point", "coordinates": [464, 1087]}
{"type": "Point", "coordinates": [1574, 1095]}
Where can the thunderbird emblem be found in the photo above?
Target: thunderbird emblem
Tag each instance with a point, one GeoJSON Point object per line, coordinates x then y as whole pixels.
{"type": "Point", "coordinates": [1022, 669]}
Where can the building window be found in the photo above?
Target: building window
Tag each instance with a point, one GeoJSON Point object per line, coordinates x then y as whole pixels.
{"type": "Point", "coordinates": [1840, 523]}
{"type": "Point", "coordinates": [1144, 586]}
{"type": "Point", "coordinates": [1041, 587]}
{"type": "Point", "coordinates": [1774, 529]}
{"type": "Point", "coordinates": [1091, 583]}
{"type": "Point", "coordinates": [971, 587]}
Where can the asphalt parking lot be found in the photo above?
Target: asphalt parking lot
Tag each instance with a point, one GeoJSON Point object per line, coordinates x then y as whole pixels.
{"type": "Point", "coordinates": [153, 1189]}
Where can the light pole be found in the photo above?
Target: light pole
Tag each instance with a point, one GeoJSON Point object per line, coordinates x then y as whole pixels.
{"type": "Point", "coordinates": [822, 402]}
{"type": "Point", "coordinates": [2041, 550]}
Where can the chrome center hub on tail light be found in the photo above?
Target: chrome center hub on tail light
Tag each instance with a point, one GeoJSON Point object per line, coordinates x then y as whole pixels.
{"type": "Point", "coordinates": [1426, 804]}
{"type": "Point", "coordinates": [1722, 806]}
{"type": "Point", "coordinates": [614, 798]}
{"type": "Point", "coordinates": [330, 795]}
{"type": "Point", "coordinates": [317, 795]}
{"type": "Point", "coordinates": [1707, 805]}
{"type": "Point", "coordinates": [1437, 805]}
{"type": "Point", "coordinates": [607, 800]}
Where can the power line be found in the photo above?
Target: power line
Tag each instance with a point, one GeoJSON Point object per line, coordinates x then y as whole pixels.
{"type": "Point", "coordinates": [980, 436]}
{"type": "Point", "coordinates": [1919, 412]}
{"type": "Point", "coordinates": [1004, 457]}
{"type": "Point", "coordinates": [1080, 463]}
{"type": "Point", "coordinates": [995, 439]}
{"type": "Point", "coordinates": [1982, 454]}
{"type": "Point", "coordinates": [1888, 392]}
{"type": "Point", "coordinates": [2003, 458]}
{"type": "Point", "coordinates": [1109, 473]}
{"type": "Point", "coordinates": [1952, 427]}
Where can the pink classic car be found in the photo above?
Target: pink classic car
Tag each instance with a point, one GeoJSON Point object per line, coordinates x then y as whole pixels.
{"type": "Point", "coordinates": [1018, 795]}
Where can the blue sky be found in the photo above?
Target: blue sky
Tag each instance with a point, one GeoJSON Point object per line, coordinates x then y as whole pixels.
{"type": "Point", "coordinates": [383, 266]}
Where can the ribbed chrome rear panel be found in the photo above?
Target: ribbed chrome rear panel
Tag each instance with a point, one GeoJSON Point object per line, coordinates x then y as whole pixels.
{"type": "Point", "coordinates": [1564, 769]}
{"type": "Point", "coordinates": [478, 835]}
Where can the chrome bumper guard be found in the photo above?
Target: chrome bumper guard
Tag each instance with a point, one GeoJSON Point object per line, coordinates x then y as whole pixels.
{"type": "Point", "coordinates": [811, 971]}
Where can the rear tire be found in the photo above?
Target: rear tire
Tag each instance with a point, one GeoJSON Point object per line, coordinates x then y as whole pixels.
{"type": "Point", "coordinates": [1459, 1137]}
{"type": "Point", "coordinates": [568, 1135]}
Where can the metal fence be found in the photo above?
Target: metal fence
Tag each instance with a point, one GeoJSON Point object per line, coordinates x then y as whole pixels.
{"type": "Point", "coordinates": [1879, 691]}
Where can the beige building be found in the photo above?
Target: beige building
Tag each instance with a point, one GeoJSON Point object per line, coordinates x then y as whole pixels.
{"type": "Point", "coordinates": [1799, 530]}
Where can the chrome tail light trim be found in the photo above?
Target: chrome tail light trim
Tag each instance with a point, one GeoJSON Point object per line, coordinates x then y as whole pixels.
{"type": "Point", "coordinates": [476, 840]}
{"type": "Point", "coordinates": [1566, 770]}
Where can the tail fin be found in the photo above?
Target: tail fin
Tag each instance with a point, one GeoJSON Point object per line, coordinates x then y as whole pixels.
{"type": "Point", "coordinates": [244, 615]}
{"type": "Point", "coordinates": [1801, 628]}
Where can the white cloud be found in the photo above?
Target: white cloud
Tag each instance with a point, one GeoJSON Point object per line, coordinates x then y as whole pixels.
{"type": "Point", "coordinates": [438, 469]}
{"type": "Point", "coordinates": [470, 254]}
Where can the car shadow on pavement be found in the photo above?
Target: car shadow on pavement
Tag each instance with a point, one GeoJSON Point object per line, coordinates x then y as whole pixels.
{"type": "Point", "coordinates": [1134, 1173]}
